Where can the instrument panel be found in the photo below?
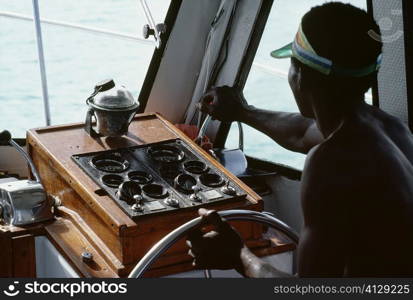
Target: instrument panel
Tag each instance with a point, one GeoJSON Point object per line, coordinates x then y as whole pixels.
{"type": "Point", "coordinates": [158, 178]}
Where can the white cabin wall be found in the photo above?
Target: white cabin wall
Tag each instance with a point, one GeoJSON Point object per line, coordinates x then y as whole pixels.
{"type": "Point", "coordinates": [242, 27]}
{"type": "Point", "coordinates": [240, 37]}
{"type": "Point", "coordinates": [49, 262]}
{"type": "Point", "coordinates": [178, 73]}
{"type": "Point", "coordinates": [181, 63]}
{"type": "Point", "coordinates": [284, 201]}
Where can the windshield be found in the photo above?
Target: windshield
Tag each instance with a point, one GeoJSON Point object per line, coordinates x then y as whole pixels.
{"type": "Point", "coordinates": [75, 59]}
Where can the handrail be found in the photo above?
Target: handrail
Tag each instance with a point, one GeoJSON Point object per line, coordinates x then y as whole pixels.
{"type": "Point", "coordinates": [79, 27]}
{"type": "Point", "coordinates": [271, 70]}
{"type": "Point", "coordinates": [42, 63]}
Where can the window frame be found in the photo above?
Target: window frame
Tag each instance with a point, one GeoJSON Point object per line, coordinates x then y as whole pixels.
{"type": "Point", "coordinates": [246, 64]}
{"type": "Point", "coordinates": [408, 50]}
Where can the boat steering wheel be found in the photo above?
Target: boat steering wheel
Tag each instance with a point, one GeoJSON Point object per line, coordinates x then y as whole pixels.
{"type": "Point", "coordinates": [230, 215]}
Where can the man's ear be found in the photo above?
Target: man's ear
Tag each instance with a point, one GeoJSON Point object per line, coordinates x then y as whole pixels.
{"type": "Point", "coordinates": [309, 80]}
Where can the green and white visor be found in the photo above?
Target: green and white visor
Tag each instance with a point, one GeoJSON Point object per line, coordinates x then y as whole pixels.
{"type": "Point", "coordinates": [301, 49]}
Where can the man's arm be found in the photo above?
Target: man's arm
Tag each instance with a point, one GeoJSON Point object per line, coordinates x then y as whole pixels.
{"type": "Point", "coordinates": [254, 267]}
{"type": "Point", "coordinates": [291, 130]}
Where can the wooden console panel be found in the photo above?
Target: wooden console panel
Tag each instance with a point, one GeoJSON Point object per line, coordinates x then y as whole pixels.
{"type": "Point", "coordinates": [89, 221]}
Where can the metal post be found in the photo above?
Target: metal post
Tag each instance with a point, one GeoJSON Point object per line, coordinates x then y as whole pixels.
{"type": "Point", "coordinates": [42, 65]}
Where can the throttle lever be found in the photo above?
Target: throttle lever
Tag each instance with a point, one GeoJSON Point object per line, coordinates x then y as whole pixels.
{"type": "Point", "coordinates": [5, 137]}
{"type": "Point", "coordinates": [203, 129]}
{"type": "Point", "coordinates": [23, 202]}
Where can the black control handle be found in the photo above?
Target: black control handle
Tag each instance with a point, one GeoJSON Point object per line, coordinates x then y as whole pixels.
{"type": "Point", "coordinates": [5, 137]}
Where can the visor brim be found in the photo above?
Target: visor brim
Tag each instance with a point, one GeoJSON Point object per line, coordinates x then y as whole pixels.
{"type": "Point", "coordinates": [284, 52]}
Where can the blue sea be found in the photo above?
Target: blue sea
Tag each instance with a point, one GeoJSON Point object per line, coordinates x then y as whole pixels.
{"type": "Point", "coordinates": [76, 60]}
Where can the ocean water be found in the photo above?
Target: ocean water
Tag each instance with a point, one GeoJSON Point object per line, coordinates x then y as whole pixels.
{"type": "Point", "coordinates": [76, 60]}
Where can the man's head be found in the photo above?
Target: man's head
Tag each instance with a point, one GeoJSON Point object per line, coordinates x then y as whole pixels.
{"type": "Point", "coordinates": [342, 59]}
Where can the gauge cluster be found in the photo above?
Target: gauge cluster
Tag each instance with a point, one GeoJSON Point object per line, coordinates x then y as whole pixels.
{"type": "Point", "coordinates": [158, 178]}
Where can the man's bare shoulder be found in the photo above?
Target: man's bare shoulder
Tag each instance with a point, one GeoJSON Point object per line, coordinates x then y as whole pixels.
{"type": "Point", "coordinates": [334, 171]}
{"type": "Point", "coordinates": [331, 159]}
{"type": "Point", "coordinates": [357, 160]}
{"type": "Point", "coordinates": [327, 183]}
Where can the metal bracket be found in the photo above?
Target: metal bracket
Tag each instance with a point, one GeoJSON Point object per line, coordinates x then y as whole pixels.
{"type": "Point", "coordinates": [152, 28]}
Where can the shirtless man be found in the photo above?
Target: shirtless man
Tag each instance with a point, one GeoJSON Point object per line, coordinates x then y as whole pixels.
{"type": "Point", "coordinates": [357, 183]}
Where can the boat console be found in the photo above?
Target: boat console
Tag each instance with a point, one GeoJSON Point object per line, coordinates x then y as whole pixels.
{"type": "Point", "coordinates": [116, 197]}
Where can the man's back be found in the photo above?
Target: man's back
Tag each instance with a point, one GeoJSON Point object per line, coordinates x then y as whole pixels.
{"type": "Point", "coordinates": [359, 182]}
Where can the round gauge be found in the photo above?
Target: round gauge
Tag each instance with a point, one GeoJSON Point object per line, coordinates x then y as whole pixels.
{"type": "Point", "coordinates": [140, 177]}
{"type": "Point", "coordinates": [112, 180]}
{"type": "Point", "coordinates": [185, 183]}
{"type": "Point", "coordinates": [169, 171]}
{"type": "Point", "coordinates": [211, 180]}
{"type": "Point", "coordinates": [128, 189]}
{"type": "Point", "coordinates": [195, 167]}
{"type": "Point", "coordinates": [166, 154]}
{"type": "Point", "coordinates": [155, 191]}
{"type": "Point", "coordinates": [111, 163]}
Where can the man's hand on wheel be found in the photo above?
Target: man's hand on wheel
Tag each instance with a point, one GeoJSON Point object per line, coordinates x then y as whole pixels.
{"type": "Point", "coordinates": [217, 249]}
{"type": "Point", "coordinates": [224, 103]}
